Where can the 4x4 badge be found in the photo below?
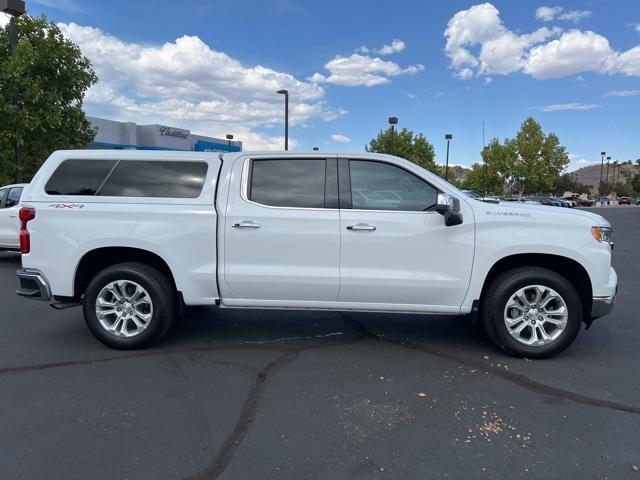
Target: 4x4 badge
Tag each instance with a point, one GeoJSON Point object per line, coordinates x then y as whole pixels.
{"type": "Point", "coordinates": [66, 205]}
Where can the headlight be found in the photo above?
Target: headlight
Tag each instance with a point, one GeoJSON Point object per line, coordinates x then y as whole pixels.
{"type": "Point", "coordinates": [602, 234]}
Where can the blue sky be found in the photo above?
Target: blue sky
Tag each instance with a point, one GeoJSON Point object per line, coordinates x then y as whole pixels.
{"type": "Point", "coordinates": [441, 67]}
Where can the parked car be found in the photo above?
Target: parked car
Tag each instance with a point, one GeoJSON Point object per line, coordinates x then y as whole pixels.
{"type": "Point", "coordinates": [624, 201]}
{"type": "Point", "coordinates": [479, 196]}
{"type": "Point", "coordinates": [543, 201]}
{"type": "Point", "coordinates": [638, 201]}
{"type": "Point", "coordinates": [131, 235]}
{"type": "Point", "coordinates": [9, 202]}
{"type": "Point", "coordinates": [582, 202]}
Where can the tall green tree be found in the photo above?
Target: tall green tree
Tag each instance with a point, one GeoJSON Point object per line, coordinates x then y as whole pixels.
{"type": "Point", "coordinates": [42, 87]}
{"type": "Point", "coordinates": [403, 143]}
{"type": "Point", "coordinates": [485, 179]}
{"type": "Point", "coordinates": [529, 163]}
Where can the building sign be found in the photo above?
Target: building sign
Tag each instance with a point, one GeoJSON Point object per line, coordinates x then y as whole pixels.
{"type": "Point", "coordinates": [173, 132]}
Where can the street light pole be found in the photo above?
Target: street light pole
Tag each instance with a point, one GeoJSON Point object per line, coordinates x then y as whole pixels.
{"type": "Point", "coordinates": [448, 138]}
{"type": "Point", "coordinates": [286, 117]}
{"type": "Point", "coordinates": [601, 168]}
{"type": "Point", "coordinates": [229, 138]}
{"type": "Point", "coordinates": [393, 121]}
{"type": "Point", "coordinates": [14, 8]}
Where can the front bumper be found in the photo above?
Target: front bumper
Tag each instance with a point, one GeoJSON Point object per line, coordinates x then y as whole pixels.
{"type": "Point", "coordinates": [602, 306]}
{"type": "Point", "coordinates": [33, 284]}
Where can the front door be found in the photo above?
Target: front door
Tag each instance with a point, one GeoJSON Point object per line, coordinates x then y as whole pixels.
{"type": "Point", "coordinates": [397, 252]}
{"type": "Point", "coordinates": [9, 205]}
{"type": "Point", "coordinates": [282, 232]}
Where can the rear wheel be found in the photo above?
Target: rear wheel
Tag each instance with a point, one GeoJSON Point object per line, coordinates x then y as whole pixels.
{"type": "Point", "coordinates": [532, 312]}
{"type": "Point", "coordinates": [129, 305]}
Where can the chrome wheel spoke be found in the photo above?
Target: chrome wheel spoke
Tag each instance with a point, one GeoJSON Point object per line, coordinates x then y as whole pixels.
{"type": "Point", "coordinates": [124, 308]}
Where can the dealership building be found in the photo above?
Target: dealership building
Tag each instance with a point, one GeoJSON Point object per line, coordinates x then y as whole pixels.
{"type": "Point", "coordinates": [131, 136]}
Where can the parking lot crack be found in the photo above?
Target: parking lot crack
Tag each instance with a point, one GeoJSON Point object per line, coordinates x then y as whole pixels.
{"type": "Point", "coordinates": [515, 378]}
{"type": "Point", "coordinates": [247, 416]}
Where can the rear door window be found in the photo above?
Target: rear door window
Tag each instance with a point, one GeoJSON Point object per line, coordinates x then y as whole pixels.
{"type": "Point", "coordinates": [155, 179]}
{"type": "Point", "coordinates": [288, 183]}
{"type": "Point", "coordinates": [79, 177]}
{"type": "Point", "coordinates": [3, 192]}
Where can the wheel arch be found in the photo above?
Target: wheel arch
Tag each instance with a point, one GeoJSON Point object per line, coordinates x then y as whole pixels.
{"type": "Point", "coordinates": [98, 259]}
{"type": "Point", "coordinates": [565, 266]}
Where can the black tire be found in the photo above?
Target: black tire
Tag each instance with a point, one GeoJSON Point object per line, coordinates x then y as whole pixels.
{"type": "Point", "coordinates": [504, 286]}
{"type": "Point", "coordinates": [160, 290]}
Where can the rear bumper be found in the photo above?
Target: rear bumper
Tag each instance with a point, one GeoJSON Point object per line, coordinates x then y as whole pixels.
{"type": "Point", "coordinates": [33, 284]}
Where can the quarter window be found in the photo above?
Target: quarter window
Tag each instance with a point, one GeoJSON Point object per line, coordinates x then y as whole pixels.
{"type": "Point", "coordinates": [2, 193]}
{"type": "Point", "coordinates": [288, 183]}
{"type": "Point", "coordinates": [13, 198]}
{"type": "Point", "coordinates": [79, 177]}
{"type": "Point", "coordinates": [155, 179]}
{"type": "Point", "coordinates": [381, 186]}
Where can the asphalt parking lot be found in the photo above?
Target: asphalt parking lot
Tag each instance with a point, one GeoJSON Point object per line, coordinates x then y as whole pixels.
{"type": "Point", "coordinates": [252, 394]}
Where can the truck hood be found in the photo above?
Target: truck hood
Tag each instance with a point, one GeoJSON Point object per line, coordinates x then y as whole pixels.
{"type": "Point", "coordinates": [567, 214]}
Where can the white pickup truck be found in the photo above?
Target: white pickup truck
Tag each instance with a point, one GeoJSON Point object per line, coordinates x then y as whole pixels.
{"type": "Point", "coordinates": [133, 235]}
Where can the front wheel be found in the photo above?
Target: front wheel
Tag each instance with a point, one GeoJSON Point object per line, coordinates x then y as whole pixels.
{"type": "Point", "coordinates": [531, 312]}
{"type": "Point", "coordinates": [129, 305]}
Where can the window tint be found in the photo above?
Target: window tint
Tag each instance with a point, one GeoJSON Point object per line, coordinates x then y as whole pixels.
{"type": "Point", "coordinates": [79, 177]}
{"type": "Point", "coordinates": [288, 183]}
{"type": "Point", "coordinates": [381, 186]}
{"type": "Point", "coordinates": [2, 192]}
{"type": "Point", "coordinates": [13, 198]}
{"type": "Point", "coordinates": [156, 179]}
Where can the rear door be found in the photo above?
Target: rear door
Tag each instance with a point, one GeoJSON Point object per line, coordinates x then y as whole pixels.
{"type": "Point", "coordinates": [9, 205]}
{"type": "Point", "coordinates": [282, 232]}
{"type": "Point", "coordinates": [397, 252]}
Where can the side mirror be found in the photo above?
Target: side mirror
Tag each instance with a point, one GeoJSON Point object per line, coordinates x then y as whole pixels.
{"type": "Point", "coordinates": [444, 203]}
{"type": "Point", "coordinates": [449, 206]}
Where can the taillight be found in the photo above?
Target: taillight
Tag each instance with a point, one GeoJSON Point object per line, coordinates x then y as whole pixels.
{"type": "Point", "coordinates": [25, 215]}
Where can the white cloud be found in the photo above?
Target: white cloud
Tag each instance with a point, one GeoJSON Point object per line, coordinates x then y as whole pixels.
{"type": "Point", "coordinates": [488, 80]}
{"type": "Point", "coordinates": [547, 14]}
{"type": "Point", "coordinates": [576, 162]}
{"type": "Point", "coordinates": [575, 15]}
{"type": "Point", "coordinates": [622, 93]}
{"type": "Point", "coordinates": [478, 43]}
{"type": "Point", "coordinates": [4, 19]}
{"type": "Point", "coordinates": [336, 137]}
{"type": "Point", "coordinates": [501, 51]}
{"type": "Point", "coordinates": [395, 47]}
{"type": "Point", "coordinates": [636, 27]}
{"type": "Point", "coordinates": [362, 70]}
{"type": "Point", "coordinates": [557, 107]}
{"type": "Point", "coordinates": [574, 52]}
{"type": "Point", "coordinates": [186, 83]}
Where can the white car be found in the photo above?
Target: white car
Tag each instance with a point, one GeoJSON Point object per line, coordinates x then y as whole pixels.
{"type": "Point", "coordinates": [132, 234]}
{"type": "Point", "coordinates": [9, 205]}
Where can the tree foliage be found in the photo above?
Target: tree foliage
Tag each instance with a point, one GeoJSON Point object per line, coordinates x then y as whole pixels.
{"type": "Point", "coordinates": [403, 143]}
{"type": "Point", "coordinates": [42, 86]}
{"type": "Point", "coordinates": [529, 163]}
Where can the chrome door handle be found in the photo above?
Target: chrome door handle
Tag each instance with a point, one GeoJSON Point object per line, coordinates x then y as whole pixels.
{"type": "Point", "coordinates": [246, 225]}
{"type": "Point", "coordinates": [361, 226]}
